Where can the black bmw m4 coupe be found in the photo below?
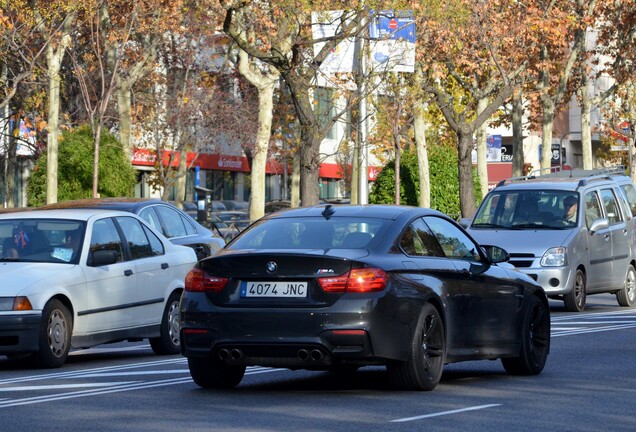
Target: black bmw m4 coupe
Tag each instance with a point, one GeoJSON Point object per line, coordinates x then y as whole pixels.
{"type": "Point", "coordinates": [339, 287]}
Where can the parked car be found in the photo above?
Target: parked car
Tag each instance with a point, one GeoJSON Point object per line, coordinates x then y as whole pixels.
{"type": "Point", "coordinates": [79, 278]}
{"type": "Point", "coordinates": [236, 205]}
{"type": "Point", "coordinates": [572, 231]}
{"type": "Point", "coordinates": [276, 205]}
{"type": "Point", "coordinates": [340, 287]}
{"type": "Point", "coordinates": [234, 219]}
{"type": "Point", "coordinates": [223, 229]}
{"type": "Point", "coordinates": [170, 221]}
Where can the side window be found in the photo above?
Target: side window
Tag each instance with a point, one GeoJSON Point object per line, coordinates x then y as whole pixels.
{"type": "Point", "coordinates": [172, 222]}
{"type": "Point", "coordinates": [630, 194]}
{"type": "Point", "coordinates": [104, 236]}
{"type": "Point", "coordinates": [454, 242]}
{"type": "Point", "coordinates": [190, 229]}
{"type": "Point", "coordinates": [624, 205]}
{"type": "Point", "coordinates": [155, 243]}
{"type": "Point", "coordinates": [148, 214]}
{"type": "Point", "coordinates": [592, 208]}
{"type": "Point", "coordinates": [136, 238]}
{"type": "Point", "coordinates": [418, 240]}
{"type": "Point", "coordinates": [611, 206]}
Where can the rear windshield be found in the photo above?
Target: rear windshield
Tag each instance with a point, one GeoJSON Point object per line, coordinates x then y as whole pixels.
{"type": "Point", "coordinates": [310, 233]}
{"type": "Point", "coordinates": [528, 209]}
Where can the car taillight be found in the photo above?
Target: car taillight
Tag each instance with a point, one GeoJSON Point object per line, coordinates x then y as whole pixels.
{"type": "Point", "coordinates": [357, 280]}
{"type": "Point", "coordinates": [200, 281]}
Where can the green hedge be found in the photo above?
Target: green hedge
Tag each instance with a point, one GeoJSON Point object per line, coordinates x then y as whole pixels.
{"type": "Point", "coordinates": [76, 154]}
{"type": "Point", "coordinates": [444, 176]}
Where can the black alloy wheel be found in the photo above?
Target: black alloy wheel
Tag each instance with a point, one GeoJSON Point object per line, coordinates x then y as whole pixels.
{"type": "Point", "coordinates": [535, 341]}
{"type": "Point", "coordinates": [423, 369]}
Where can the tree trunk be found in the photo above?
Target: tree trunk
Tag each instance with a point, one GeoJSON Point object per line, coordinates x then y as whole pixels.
{"type": "Point", "coordinates": [419, 130]}
{"type": "Point", "coordinates": [54, 61]}
{"type": "Point", "coordinates": [259, 161]}
{"type": "Point", "coordinates": [10, 164]}
{"type": "Point", "coordinates": [355, 172]}
{"type": "Point", "coordinates": [586, 130]}
{"type": "Point", "coordinates": [546, 138]}
{"type": "Point", "coordinates": [98, 135]}
{"type": "Point", "coordinates": [295, 181]}
{"type": "Point", "coordinates": [519, 154]}
{"type": "Point", "coordinates": [465, 166]}
{"type": "Point", "coordinates": [309, 166]}
{"type": "Point", "coordinates": [181, 175]}
{"type": "Point", "coordinates": [265, 82]}
{"type": "Point", "coordinates": [123, 106]}
{"type": "Point", "coordinates": [397, 173]}
{"type": "Point", "coordinates": [480, 138]}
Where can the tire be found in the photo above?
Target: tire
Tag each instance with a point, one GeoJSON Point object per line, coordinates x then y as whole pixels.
{"type": "Point", "coordinates": [55, 335]}
{"type": "Point", "coordinates": [169, 340]}
{"type": "Point", "coordinates": [535, 341]}
{"type": "Point", "coordinates": [423, 369]}
{"type": "Point", "coordinates": [627, 295]}
{"type": "Point", "coordinates": [575, 299]}
{"type": "Point", "coordinates": [211, 373]}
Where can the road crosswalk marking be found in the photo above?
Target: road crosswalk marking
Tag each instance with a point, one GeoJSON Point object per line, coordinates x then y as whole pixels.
{"type": "Point", "coordinates": [571, 324]}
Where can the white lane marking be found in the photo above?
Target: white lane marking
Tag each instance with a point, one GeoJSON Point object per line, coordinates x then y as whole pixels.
{"type": "Point", "coordinates": [593, 314]}
{"type": "Point", "coordinates": [84, 393]}
{"type": "Point", "coordinates": [64, 386]}
{"type": "Point", "coordinates": [133, 385]}
{"type": "Point", "coordinates": [136, 373]}
{"type": "Point", "coordinates": [443, 413]}
{"type": "Point", "coordinates": [99, 350]}
{"type": "Point", "coordinates": [591, 330]}
{"type": "Point", "coordinates": [72, 374]}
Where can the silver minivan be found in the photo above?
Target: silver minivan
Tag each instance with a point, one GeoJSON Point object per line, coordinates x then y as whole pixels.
{"type": "Point", "coordinates": [572, 231]}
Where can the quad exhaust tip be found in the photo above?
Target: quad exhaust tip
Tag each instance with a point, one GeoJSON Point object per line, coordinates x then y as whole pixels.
{"type": "Point", "coordinates": [314, 355]}
{"type": "Point", "coordinates": [233, 354]}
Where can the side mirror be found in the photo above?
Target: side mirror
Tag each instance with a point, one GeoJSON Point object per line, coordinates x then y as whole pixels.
{"type": "Point", "coordinates": [599, 224]}
{"type": "Point", "coordinates": [464, 222]}
{"type": "Point", "coordinates": [495, 254]}
{"type": "Point", "coordinates": [102, 257]}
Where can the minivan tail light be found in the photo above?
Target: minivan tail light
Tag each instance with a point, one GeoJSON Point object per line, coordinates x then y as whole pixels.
{"type": "Point", "coordinates": [199, 281]}
{"type": "Point", "coordinates": [360, 280]}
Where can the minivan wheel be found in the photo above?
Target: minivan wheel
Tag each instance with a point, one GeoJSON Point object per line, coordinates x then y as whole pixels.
{"type": "Point", "coordinates": [575, 299]}
{"type": "Point", "coordinates": [627, 295]}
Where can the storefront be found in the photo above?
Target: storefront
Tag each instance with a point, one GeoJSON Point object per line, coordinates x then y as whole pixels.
{"type": "Point", "coordinates": [227, 176]}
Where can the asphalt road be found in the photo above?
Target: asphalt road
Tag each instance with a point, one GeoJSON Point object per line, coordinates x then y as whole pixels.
{"type": "Point", "coordinates": [587, 385]}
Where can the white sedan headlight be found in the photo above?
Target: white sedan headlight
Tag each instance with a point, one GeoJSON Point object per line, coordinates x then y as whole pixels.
{"type": "Point", "coordinates": [6, 303]}
{"type": "Point", "coordinates": [554, 257]}
{"type": "Point", "coordinates": [15, 304]}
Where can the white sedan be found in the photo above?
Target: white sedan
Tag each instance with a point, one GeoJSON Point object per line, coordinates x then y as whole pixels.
{"type": "Point", "coordinates": [79, 278]}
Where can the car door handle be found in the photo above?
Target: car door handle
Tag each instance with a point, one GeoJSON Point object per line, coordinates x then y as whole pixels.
{"type": "Point", "coordinates": [164, 266]}
{"type": "Point", "coordinates": [128, 272]}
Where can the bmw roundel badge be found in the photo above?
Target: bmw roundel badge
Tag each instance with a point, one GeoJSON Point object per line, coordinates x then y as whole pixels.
{"type": "Point", "coordinates": [272, 267]}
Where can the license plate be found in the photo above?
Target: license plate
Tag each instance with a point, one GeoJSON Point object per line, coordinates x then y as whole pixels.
{"type": "Point", "coordinates": [274, 289]}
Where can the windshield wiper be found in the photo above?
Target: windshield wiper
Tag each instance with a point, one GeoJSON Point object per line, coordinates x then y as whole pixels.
{"type": "Point", "coordinates": [532, 226]}
{"type": "Point", "coordinates": [487, 225]}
